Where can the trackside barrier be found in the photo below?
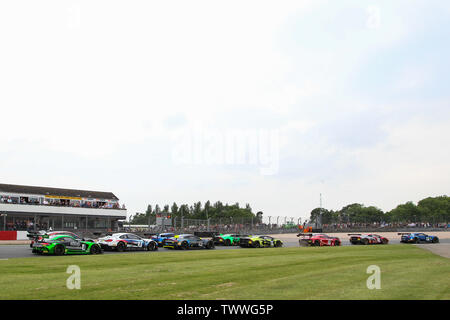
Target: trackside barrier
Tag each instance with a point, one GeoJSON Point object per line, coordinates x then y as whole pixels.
{"type": "Point", "coordinates": [13, 235]}
{"type": "Point", "coordinates": [8, 235]}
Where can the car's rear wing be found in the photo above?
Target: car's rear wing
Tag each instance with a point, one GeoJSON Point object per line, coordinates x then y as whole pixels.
{"type": "Point", "coordinates": [402, 233]}
{"type": "Point", "coordinates": [207, 234]}
{"type": "Point", "coordinates": [150, 234]}
{"type": "Point", "coordinates": [305, 235]}
{"type": "Point", "coordinates": [32, 235]}
{"type": "Point", "coordinates": [35, 235]}
{"type": "Point", "coordinates": [353, 234]}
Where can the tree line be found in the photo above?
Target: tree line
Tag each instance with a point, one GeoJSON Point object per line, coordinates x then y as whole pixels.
{"type": "Point", "coordinates": [431, 209]}
{"type": "Point", "coordinates": [195, 211]}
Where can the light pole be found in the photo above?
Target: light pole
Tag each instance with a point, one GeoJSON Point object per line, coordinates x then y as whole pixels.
{"type": "Point", "coordinates": [319, 220]}
{"type": "Point", "coordinates": [149, 217]}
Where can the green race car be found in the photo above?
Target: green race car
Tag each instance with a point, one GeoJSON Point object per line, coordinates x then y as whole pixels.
{"type": "Point", "coordinates": [65, 244]}
{"type": "Point", "coordinates": [228, 239]}
{"type": "Point", "coordinates": [260, 242]}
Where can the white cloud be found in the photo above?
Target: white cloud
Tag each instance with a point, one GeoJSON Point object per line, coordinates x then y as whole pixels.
{"type": "Point", "coordinates": [95, 90]}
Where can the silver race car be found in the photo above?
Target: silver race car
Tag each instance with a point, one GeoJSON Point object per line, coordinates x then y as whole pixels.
{"type": "Point", "coordinates": [127, 241]}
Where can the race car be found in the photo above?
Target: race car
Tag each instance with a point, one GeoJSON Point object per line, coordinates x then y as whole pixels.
{"type": "Point", "coordinates": [188, 241]}
{"type": "Point", "coordinates": [358, 238]}
{"type": "Point", "coordinates": [65, 244]}
{"type": "Point", "coordinates": [417, 237]}
{"type": "Point", "coordinates": [259, 241]}
{"type": "Point", "coordinates": [318, 240]}
{"type": "Point", "coordinates": [127, 241]}
{"type": "Point", "coordinates": [228, 239]}
{"type": "Point", "coordinates": [40, 235]}
{"type": "Point", "coordinates": [161, 237]}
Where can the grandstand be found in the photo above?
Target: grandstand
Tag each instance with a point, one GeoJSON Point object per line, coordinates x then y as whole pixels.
{"type": "Point", "coordinates": [29, 208]}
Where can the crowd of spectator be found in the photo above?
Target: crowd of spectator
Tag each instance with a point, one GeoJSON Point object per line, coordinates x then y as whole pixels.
{"type": "Point", "coordinates": [61, 202]}
{"type": "Point", "coordinates": [219, 228]}
{"type": "Point", "coordinates": [385, 225]}
{"type": "Point", "coordinates": [25, 225]}
{"type": "Point", "coordinates": [262, 227]}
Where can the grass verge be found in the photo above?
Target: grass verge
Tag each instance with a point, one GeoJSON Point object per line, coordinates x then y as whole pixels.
{"type": "Point", "coordinates": [407, 272]}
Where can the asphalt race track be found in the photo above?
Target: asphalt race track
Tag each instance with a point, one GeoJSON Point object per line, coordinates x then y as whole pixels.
{"type": "Point", "coordinates": [24, 251]}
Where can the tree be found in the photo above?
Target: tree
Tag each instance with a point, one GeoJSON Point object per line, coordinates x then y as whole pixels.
{"type": "Point", "coordinates": [149, 211]}
{"type": "Point", "coordinates": [259, 216]}
{"type": "Point", "coordinates": [138, 218]}
{"type": "Point", "coordinates": [435, 209]}
{"type": "Point", "coordinates": [174, 210]}
{"type": "Point", "coordinates": [407, 212]}
{"type": "Point", "coordinates": [197, 211]}
{"type": "Point", "coordinates": [166, 209]}
{"type": "Point", "coordinates": [326, 215]}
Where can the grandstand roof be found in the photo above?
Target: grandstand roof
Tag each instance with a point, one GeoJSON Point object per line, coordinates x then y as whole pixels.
{"type": "Point", "coordinates": [11, 188]}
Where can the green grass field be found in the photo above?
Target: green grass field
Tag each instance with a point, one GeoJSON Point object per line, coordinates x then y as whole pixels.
{"type": "Point", "coordinates": [407, 272]}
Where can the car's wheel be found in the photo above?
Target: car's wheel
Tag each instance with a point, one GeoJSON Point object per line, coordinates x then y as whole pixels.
{"type": "Point", "coordinates": [152, 246]}
{"type": "Point", "coordinates": [365, 241]}
{"type": "Point", "coordinates": [317, 243]}
{"type": "Point", "coordinates": [210, 245]}
{"type": "Point", "coordinates": [257, 244]}
{"type": "Point", "coordinates": [59, 250]}
{"type": "Point", "coordinates": [228, 242]}
{"type": "Point", "coordinates": [184, 246]}
{"type": "Point", "coordinates": [121, 246]}
{"type": "Point", "coordinates": [278, 244]}
{"type": "Point", "coordinates": [435, 240]}
{"type": "Point", "coordinates": [303, 243]}
{"type": "Point", "coordinates": [416, 240]}
{"type": "Point", "coordinates": [95, 249]}
{"type": "Point", "coordinates": [337, 243]}
{"type": "Point", "coordinates": [384, 241]}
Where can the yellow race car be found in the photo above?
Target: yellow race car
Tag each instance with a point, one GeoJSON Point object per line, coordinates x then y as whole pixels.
{"type": "Point", "coordinates": [259, 241]}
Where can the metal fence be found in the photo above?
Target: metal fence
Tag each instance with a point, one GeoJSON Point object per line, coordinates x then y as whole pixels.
{"type": "Point", "coordinates": [219, 225]}
{"type": "Point", "coordinates": [382, 226]}
{"type": "Point", "coordinates": [274, 224]}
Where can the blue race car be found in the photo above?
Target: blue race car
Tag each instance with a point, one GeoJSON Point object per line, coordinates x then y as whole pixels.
{"type": "Point", "coordinates": [417, 237]}
{"type": "Point", "coordinates": [161, 237]}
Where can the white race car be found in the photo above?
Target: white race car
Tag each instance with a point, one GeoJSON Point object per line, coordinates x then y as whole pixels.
{"type": "Point", "coordinates": [127, 241]}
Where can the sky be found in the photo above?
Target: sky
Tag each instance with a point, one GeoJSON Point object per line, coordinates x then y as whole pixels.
{"type": "Point", "coordinates": [270, 103]}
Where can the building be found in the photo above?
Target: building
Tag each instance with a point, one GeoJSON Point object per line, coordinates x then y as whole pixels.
{"type": "Point", "coordinates": [28, 208]}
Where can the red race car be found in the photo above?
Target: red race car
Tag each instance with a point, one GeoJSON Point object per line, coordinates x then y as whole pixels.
{"type": "Point", "coordinates": [318, 240]}
{"type": "Point", "coordinates": [358, 238]}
